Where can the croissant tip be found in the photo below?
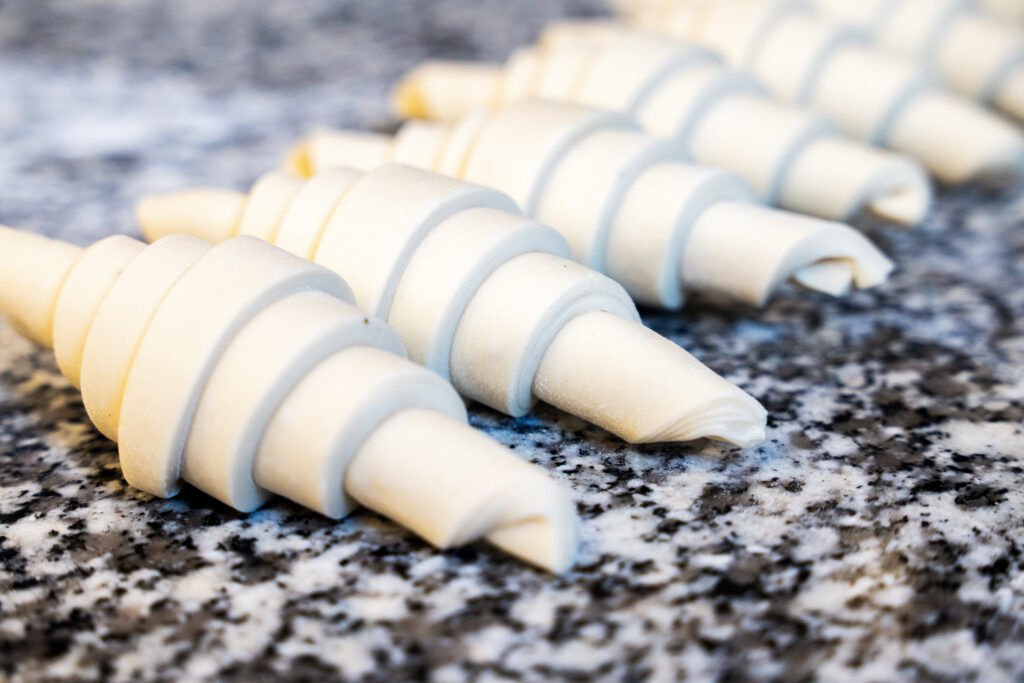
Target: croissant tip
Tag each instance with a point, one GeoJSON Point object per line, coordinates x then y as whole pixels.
{"type": "Point", "coordinates": [747, 428]}
{"type": "Point", "coordinates": [1001, 169]}
{"type": "Point", "coordinates": [1010, 97]}
{"type": "Point", "coordinates": [206, 213]}
{"type": "Point", "coordinates": [747, 436]}
{"type": "Point", "coordinates": [735, 417]}
{"type": "Point", "coordinates": [148, 212]}
{"type": "Point", "coordinates": [32, 272]}
{"type": "Point", "coordinates": [298, 161]}
{"type": "Point", "coordinates": [904, 205]}
{"type": "Point", "coordinates": [549, 537]}
{"type": "Point", "coordinates": [407, 99]}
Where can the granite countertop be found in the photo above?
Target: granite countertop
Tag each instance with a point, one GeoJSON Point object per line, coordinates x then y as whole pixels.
{"type": "Point", "coordinates": [877, 534]}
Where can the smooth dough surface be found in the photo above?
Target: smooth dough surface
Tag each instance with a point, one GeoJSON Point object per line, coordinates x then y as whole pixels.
{"type": "Point", "coordinates": [262, 364]}
{"type": "Point", "coordinates": [121, 322]}
{"type": "Point", "coordinates": [514, 316]}
{"type": "Point", "coordinates": [309, 465]}
{"type": "Point", "coordinates": [224, 288]}
{"type": "Point", "coordinates": [874, 94]}
{"type": "Point", "coordinates": [480, 292]}
{"type": "Point", "coordinates": [430, 300]}
{"type": "Point", "coordinates": [257, 366]}
{"type": "Point", "coordinates": [720, 117]}
{"type": "Point", "coordinates": [82, 293]}
{"type": "Point", "coordinates": [372, 240]}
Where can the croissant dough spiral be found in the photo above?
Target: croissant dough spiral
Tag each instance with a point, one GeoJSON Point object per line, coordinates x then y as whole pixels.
{"type": "Point", "coordinates": [979, 55]}
{"type": "Point", "coordinates": [481, 295]}
{"type": "Point", "coordinates": [1012, 10]}
{"type": "Point", "coordinates": [246, 372]}
{"type": "Point", "coordinates": [624, 201]}
{"type": "Point", "coordinates": [871, 95]}
{"type": "Point", "coordinates": [719, 116]}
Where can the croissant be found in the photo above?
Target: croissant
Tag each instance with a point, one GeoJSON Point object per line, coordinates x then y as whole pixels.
{"type": "Point", "coordinates": [871, 95]}
{"type": "Point", "coordinates": [481, 295]}
{"type": "Point", "coordinates": [720, 117]}
{"type": "Point", "coordinates": [624, 201]}
{"type": "Point", "coordinates": [977, 54]}
{"type": "Point", "coordinates": [1012, 10]}
{"type": "Point", "coordinates": [246, 372]}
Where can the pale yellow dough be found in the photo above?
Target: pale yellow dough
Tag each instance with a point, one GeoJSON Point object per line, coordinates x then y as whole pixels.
{"type": "Point", "coordinates": [246, 371]}
{"type": "Point", "coordinates": [977, 54]}
{"type": "Point", "coordinates": [873, 93]}
{"type": "Point", "coordinates": [628, 204]}
{"type": "Point", "coordinates": [483, 296]}
{"type": "Point", "coordinates": [719, 116]}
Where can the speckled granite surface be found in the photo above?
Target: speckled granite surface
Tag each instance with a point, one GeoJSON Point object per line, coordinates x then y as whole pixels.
{"type": "Point", "coordinates": [877, 535]}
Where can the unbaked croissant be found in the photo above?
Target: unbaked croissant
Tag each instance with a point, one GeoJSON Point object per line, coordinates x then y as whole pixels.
{"type": "Point", "coordinates": [481, 295]}
{"type": "Point", "coordinates": [977, 54]}
{"type": "Point", "coordinates": [792, 157]}
{"type": "Point", "coordinates": [1012, 10]}
{"type": "Point", "coordinates": [246, 371]}
{"type": "Point", "coordinates": [872, 95]}
{"type": "Point", "coordinates": [624, 201]}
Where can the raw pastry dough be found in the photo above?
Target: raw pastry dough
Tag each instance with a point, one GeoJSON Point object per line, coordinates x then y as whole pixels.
{"type": "Point", "coordinates": [625, 202]}
{"type": "Point", "coordinates": [1004, 9]}
{"type": "Point", "coordinates": [872, 95]}
{"type": "Point", "coordinates": [977, 54]}
{"type": "Point", "coordinates": [246, 371]}
{"type": "Point", "coordinates": [485, 297]}
{"type": "Point", "coordinates": [720, 117]}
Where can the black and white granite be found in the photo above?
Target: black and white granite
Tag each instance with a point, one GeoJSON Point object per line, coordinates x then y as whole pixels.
{"type": "Point", "coordinates": [876, 535]}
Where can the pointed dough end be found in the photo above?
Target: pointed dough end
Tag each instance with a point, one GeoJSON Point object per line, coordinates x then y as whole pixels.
{"type": "Point", "coordinates": [732, 416]}
{"type": "Point", "coordinates": [298, 161]}
{"type": "Point", "coordinates": [642, 387]}
{"type": "Point", "coordinates": [746, 251]}
{"type": "Point", "coordinates": [838, 179]}
{"type": "Point", "coordinates": [452, 485]}
{"type": "Point", "coordinates": [905, 205]}
{"type": "Point", "coordinates": [206, 213]}
{"type": "Point", "coordinates": [407, 99]}
{"type": "Point", "coordinates": [32, 270]}
{"type": "Point", "coordinates": [1002, 168]}
{"type": "Point", "coordinates": [830, 276]}
{"type": "Point", "coordinates": [445, 90]}
{"type": "Point", "coordinates": [1010, 95]}
{"type": "Point", "coordinates": [958, 140]}
{"type": "Point", "coordinates": [865, 268]}
{"type": "Point", "coordinates": [545, 533]}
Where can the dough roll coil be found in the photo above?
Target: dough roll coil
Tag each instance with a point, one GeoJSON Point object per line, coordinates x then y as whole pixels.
{"type": "Point", "coordinates": [979, 55]}
{"type": "Point", "coordinates": [627, 203]}
{"type": "Point", "coordinates": [872, 95]}
{"type": "Point", "coordinates": [247, 372]}
{"type": "Point", "coordinates": [791, 157]}
{"type": "Point", "coordinates": [481, 295]}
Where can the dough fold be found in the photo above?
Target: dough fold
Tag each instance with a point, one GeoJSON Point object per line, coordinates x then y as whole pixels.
{"type": "Point", "coordinates": [246, 372]}
{"type": "Point", "coordinates": [719, 116]}
{"type": "Point", "coordinates": [979, 55]}
{"type": "Point", "coordinates": [626, 202]}
{"type": "Point", "coordinates": [871, 94]}
{"type": "Point", "coordinates": [484, 296]}
{"type": "Point", "coordinates": [1004, 9]}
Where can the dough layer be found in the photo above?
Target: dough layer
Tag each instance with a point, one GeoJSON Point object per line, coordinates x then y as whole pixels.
{"type": "Point", "coordinates": [481, 294]}
{"type": "Point", "coordinates": [979, 55]}
{"type": "Point", "coordinates": [247, 371]}
{"type": "Point", "coordinates": [870, 94]}
{"type": "Point", "coordinates": [719, 116]}
{"type": "Point", "coordinates": [627, 203]}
